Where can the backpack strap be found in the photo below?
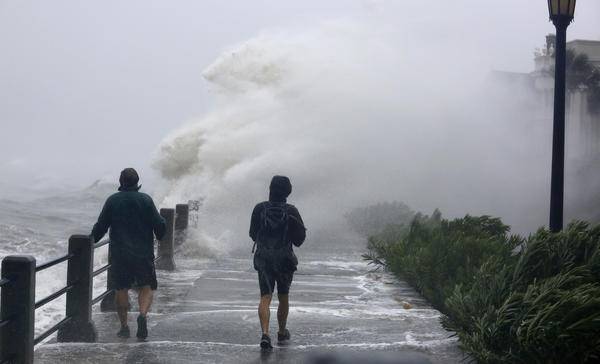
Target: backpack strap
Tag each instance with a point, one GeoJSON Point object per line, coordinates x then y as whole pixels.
{"type": "Point", "coordinates": [286, 228]}
{"type": "Point", "coordinates": [263, 214]}
{"type": "Point", "coordinates": [262, 222]}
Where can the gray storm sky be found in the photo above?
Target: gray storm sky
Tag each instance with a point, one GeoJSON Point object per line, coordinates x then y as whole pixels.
{"type": "Point", "coordinates": [89, 87]}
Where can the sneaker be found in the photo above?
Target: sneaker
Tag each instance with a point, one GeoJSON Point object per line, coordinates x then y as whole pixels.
{"type": "Point", "coordinates": [142, 331]}
{"type": "Point", "coordinates": [265, 342]}
{"type": "Point", "coordinates": [283, 337]}
{"type": "Point", "coordinates": [124, 332]}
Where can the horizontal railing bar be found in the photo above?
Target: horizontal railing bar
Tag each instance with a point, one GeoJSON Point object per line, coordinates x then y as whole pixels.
{"type": "Point", "coordinates": [4, 281]}
{"type": "Point", "coordinates": [101, 297]}
{"type": "Point", "coordinates": [53, 262]}
{"type": "Point", "coordinates": [53, 296]}
{"type": "Point", "coordinates": [101, 270]}
{"type": "Point", "coordinates": [101, 243]}
{"type": "Point", "coordinates": [4, 323]}
{"type": "Point", "coordinates": [51, 330]}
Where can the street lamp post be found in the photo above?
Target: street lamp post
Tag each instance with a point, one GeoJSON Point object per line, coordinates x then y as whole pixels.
{"type": "Point", "coordinates": [561, 14]}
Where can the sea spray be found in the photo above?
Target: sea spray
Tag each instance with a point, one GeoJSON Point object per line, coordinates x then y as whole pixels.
{"type": "Point", "coordinates": [354, 112]}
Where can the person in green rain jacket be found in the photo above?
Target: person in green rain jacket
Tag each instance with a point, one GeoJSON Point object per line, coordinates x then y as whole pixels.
{"type": "Point", "coordinates": [134, 222]}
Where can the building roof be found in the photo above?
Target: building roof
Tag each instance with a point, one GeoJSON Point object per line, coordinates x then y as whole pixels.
{"type": "Point", "coordinates": [589, 47]}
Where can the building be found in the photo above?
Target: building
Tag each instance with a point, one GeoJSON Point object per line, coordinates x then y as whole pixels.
{"type": "Point", "coordinates": [544, 59]}
{"type": "Point", "coordinates": [534, 91]}
{"type": "Point", "coordinates": [589, 47]}
{"type": "Point", "coordinates": [583, 128]}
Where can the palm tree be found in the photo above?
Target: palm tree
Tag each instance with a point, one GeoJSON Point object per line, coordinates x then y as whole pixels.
{"type": "Point", "coordinates": [582, 75]}
{"type": "Point", "coordinates": [594, 93]}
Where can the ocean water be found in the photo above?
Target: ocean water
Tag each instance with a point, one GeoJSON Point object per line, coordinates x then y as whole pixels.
{"type": "Point", "coordinates": [40, 226]}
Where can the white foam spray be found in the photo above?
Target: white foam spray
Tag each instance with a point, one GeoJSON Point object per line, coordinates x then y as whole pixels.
{"type": "Point", "coordinates": [354, 112]}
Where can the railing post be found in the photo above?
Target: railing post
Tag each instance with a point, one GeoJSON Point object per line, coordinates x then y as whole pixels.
{"type": "Point", "coordinates": [165, 259]}
{"type": "Point", "coordinates": [108, 303]}
{"type": "Point", "coordinates": [182, 213]}
{"type": "Point", "coordinates": [79, 299]}
{"type": "Point", "coordinates": [18, 306]}
{"type": "Point", "coordinates": [194, 208]}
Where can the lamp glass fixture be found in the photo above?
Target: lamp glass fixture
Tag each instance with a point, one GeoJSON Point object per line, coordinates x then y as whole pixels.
{"type": "Point", "coordinates": [561, 8]}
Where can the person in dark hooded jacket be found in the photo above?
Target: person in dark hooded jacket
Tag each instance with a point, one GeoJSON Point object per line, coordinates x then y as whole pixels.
{"type": "Point", "coordinates": [275, 226]}
{"type": "Point", "coordinates": [133, 221]}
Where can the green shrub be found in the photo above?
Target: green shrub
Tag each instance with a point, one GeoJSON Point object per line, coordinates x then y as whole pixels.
{"type": "Point", "coordinates": [543, 307]}
{"type": "Point", "coordinates": [434, 255]}
{"type": "Point", "coordinates": [510, 300]}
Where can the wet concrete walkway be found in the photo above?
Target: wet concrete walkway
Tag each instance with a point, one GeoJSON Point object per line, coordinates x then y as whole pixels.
{"type": "Point", "coordinates": [206, 313]}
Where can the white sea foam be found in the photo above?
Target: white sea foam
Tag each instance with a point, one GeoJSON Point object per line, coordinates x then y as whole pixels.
{"type": "Point", "coordinates": [352, 265]}
{"type": "Point", "coordinates": [410, 342]}
{"type": "Point", "coordinates": [353, 111]}
{"type": "Point", "coordinates": [368, 312]}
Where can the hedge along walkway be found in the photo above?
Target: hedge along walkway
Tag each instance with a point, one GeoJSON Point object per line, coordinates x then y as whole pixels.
{"type": "Point", "coordinates": [510, 299]}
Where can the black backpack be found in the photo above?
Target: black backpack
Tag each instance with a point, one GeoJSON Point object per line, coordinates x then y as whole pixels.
{"type": "Point", "coordinates": [273, 248]}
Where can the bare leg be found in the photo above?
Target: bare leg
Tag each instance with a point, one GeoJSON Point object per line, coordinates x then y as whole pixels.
{"type": "Point", "coordinates": [264, 313]}
{"type": "Point", "coordinates": [282, 311]}
{"type": "Point", "coordinates": [145, 296]}
{"type": "Point", "coordinates": [122, 301]}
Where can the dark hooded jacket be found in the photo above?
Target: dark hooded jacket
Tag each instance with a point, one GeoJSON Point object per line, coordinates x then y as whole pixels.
{"type": "Point", "coordinates": [279, 190]}
{"type": "Point", "coordinates": [133, 221]}
{"type": "Point", "coordinates": [297, 230]}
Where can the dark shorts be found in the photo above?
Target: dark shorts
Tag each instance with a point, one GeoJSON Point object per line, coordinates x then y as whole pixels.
{"type": "Point", "coordinates": [268, 279]}
{"type": "Point", "coordinates": [129, 271]}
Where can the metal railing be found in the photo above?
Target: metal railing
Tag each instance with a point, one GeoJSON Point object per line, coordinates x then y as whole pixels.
{"type": "Point", "coordinates": [52, 263]}
{"type": "Point", "coordinates": [18, 280]}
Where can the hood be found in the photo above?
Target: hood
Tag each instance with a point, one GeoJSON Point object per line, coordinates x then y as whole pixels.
{"type": "Point", "coordinates": [279, 189]}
